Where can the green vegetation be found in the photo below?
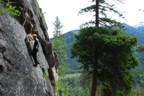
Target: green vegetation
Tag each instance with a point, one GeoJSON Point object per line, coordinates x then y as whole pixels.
{"type": "Point", "coordinates": [44, 73]}
{"type": "Point", "coordinates": [62, 88]}
{"type": "Point", "coordinates": [106, 52]}
{"type": "Point", "coordinates": [72, 85]}
{"type": "Point", "coordinates": [110, 58]}
{"type": "Point", "coordinates": [109, 51]}
{"type": "Point", "coordinates": [100, 8]}
{"type": "Point", "coordinates": [138, 91]}
{"type": "Point", "coordinates": [10, 9]}
{"type": "Point", "coordinates": [71, 64]}
{"type": "Point", "coordinates": [71, 76]}
{"type": "Point", "coordinates": [68, 84]}
{"type": "Point", "coordinates": [138, 86]}
{"type": "Point", "coordinates": [58, 44]}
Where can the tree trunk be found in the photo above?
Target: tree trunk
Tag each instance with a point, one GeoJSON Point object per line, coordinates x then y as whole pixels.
{"type": "Point", "coordinates": [94, 83]}
{"type": "Point", "coordinates": [97, 13]}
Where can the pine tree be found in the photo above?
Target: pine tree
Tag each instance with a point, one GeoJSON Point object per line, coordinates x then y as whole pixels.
{"type": "Point", "coordinates": [100, 8]}
{"type": "Point", "coordinates": [58, 43]}
{"type": "Point", "coordinates": [106, 52]}
{"type": "Point", "coordinates": [58, 27]}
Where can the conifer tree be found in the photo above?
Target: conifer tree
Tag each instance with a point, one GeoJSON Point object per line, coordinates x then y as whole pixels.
{"type": "Point", "coordinates": [58, 27]}
{"type": "Point", "coordinates": [58, 43]}
{"type": "Point", "coordinates": [106, 52]}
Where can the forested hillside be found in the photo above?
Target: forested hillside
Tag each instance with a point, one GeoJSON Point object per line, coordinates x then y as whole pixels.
{"type": "Point", "coordinates": [71, 63]}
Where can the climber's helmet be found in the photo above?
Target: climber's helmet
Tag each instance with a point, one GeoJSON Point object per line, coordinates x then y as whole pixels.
{"type": "Point", "coordinates": [34, 35]}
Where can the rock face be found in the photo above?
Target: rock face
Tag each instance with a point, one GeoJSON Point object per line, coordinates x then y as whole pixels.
{"type": "Point", "coordinates": [18, 77]}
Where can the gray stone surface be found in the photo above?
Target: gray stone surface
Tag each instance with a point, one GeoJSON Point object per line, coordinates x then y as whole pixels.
{"type": "Point", "coordinates": [18, 77]}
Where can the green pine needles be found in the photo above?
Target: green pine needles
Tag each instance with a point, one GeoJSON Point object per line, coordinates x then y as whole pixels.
{"type": "Point", "coordinates": [109, 55]}
{"type": "Point", "coordinates": [106, 52]}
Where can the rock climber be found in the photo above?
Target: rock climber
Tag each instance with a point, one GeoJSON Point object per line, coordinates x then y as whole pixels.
{"type": "Point", "coordinates": [35, 50]}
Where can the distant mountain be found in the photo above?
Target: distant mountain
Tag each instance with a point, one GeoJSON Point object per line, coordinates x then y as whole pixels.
{"type": "Point", "coordinates": [135, 31]}
{"type": "Point", "coordinates": [71, 63]}
{"type": "Point", "coordinates": [70, 37]}
{"type": "Point", "coordinates": [132, 30]}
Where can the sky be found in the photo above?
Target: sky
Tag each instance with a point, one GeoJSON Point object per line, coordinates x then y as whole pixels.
{"type": "Point", "coordinates": [67, 11]}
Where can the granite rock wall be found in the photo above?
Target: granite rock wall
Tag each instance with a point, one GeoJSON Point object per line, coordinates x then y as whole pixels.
{"type": "Point", "coordinates": [18, 77]}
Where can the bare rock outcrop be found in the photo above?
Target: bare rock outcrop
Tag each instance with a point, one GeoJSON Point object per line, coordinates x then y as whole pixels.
{"type": "Point", "coordinates": [18, 77]}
